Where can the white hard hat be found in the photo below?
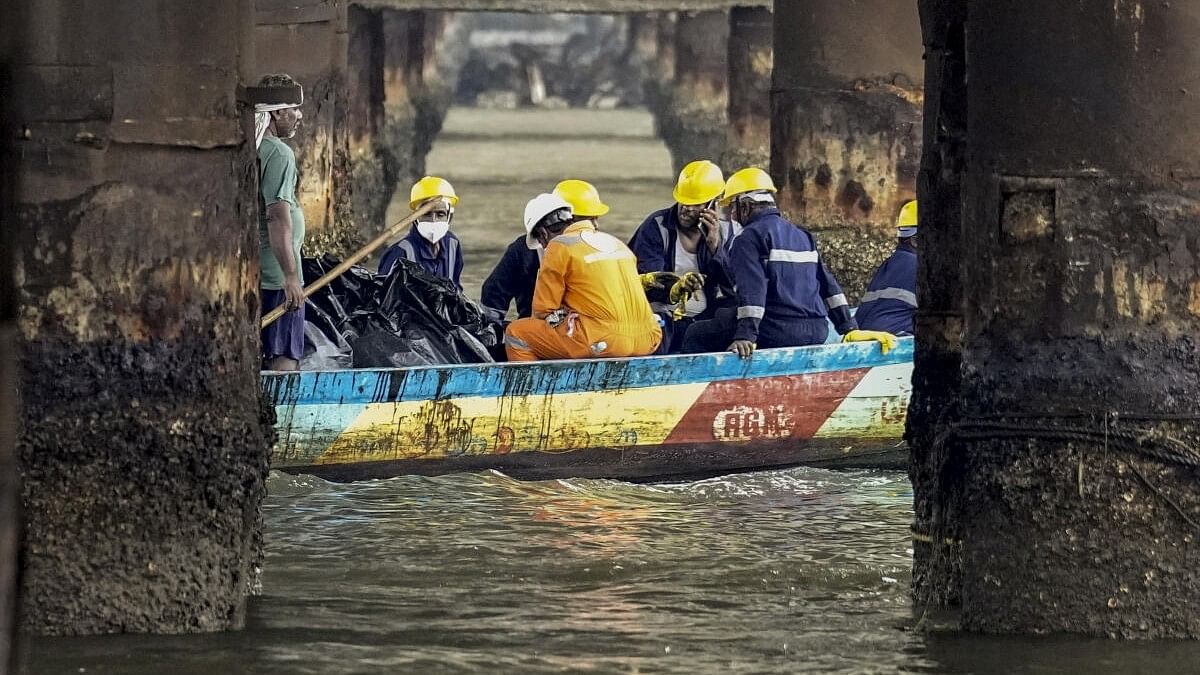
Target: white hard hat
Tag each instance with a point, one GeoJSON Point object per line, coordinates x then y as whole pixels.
{"type": "Point", "coordinates": [539, 207]}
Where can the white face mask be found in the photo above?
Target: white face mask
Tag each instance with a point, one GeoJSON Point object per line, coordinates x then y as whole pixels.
{"type": "Point", "coordinates": [433, 230]}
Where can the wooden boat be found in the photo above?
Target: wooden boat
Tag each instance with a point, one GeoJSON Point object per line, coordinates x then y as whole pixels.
{"type": "Point", "coordinates": [636, 419]}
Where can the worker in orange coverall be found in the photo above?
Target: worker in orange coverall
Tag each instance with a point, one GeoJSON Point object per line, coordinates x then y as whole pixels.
{"type": "Point", "coordinates": [588, 301]}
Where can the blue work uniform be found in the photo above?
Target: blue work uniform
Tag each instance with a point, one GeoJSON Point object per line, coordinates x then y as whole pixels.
{"type": "Point", "coordinates": [891, 298]}
{"type": "Point", "coordinates": [784, 291]}
{"type": "Point", "coordinates": [655, 245]}
{"type": "Point", "coordinates": [446, 263]}
{"type": "Point", "coordinates": [513, 279]}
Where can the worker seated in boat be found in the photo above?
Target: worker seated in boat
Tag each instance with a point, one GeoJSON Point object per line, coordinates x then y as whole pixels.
{"type": "Point", "coordinates": [512, 281]}
{"type": "Point", "coordinates": [891, 297]}
{"type": "Point", "coordinates": [514, 277]}
{"type": "Point", "coordinates": [784, 291]}
{"type": "Point", "coordinates": [430, 243]}
{"type": "Point", "coordinates": [588, 301]}
{"type": "Point", "coordinates": [688, 237]}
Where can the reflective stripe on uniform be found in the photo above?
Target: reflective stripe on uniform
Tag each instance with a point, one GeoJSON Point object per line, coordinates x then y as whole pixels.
{"type": "Point", "coordinates": [907, 297]}
{"type": "Point", "coordinates": [566, 239]}
{"type": "Point", "coordinates": [835, 301]}
{"type": "Point", "coordinates": [516, 342]}
{"type": "Point", "coordinates": [406, 247]}
{"type": "Point", "coordinates": [782, 255]}
{"type": "Point", "coordinates": [607, 255]}
{"type": "Point", "coordinates": [452, 252]}
{"type": "Point", "coordinates": [751, 312]}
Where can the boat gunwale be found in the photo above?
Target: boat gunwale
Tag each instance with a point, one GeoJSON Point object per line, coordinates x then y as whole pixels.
{"type": "Point", "coordinates": [331, 387]}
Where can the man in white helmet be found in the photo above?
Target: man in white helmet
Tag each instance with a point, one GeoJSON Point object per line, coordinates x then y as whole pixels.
{"type": "Point", "coordinates": [588, 301]}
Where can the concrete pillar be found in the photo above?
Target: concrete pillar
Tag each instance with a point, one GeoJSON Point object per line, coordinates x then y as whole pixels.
{"type": "Point", "coordinates": [846, 124]}
{"type": "Point", "coordinates": [1080, 505]}
{"type": "Point", "coordinates": [401, 85]}
{"type": "Point", "coordinates": [310, 43]}
{"type": "Point", "coordinates": [10, 487]}
{"type": "Point", "coordinates": [938, 355]}
{"type": "Point", "coordinates": [750, 64]}
{"type": "Point", "coordinates": [690, 110]}
{"type": "Point", "coordinates": [142, 454]}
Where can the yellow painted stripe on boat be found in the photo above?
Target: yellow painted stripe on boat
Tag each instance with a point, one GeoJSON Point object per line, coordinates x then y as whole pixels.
{"type": "Point", "coordinates": [480, 425]}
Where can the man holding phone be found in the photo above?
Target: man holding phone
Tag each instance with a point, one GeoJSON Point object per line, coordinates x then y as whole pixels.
{"type": "Point", "coordinates": [688, 236]}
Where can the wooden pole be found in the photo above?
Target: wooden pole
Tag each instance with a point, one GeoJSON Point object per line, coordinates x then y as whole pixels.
{"type": "Point", "coordinates": [346, 264]}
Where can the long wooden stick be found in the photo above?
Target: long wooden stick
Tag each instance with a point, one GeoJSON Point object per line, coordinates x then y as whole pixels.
{"type": "Point", "coordinates": [346, 264]}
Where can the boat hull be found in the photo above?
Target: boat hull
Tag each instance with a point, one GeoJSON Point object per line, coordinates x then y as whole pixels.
{"type": "Point", "coordinates": [635, 419]}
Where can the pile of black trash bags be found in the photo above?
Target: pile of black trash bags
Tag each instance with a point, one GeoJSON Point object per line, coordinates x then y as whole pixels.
{"type": "Point", "coordinates": [406, 318]}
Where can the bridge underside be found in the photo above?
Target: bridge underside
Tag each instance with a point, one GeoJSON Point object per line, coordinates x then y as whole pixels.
{"type": "Point", "coordinates": [566, 6]}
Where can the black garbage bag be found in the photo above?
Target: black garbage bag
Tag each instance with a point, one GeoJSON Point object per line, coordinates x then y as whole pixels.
{"type": "Point", "coordinates": [406, 318]}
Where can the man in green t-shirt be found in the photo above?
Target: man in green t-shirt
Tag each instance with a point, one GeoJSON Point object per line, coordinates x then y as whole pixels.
{"type": "Point", "coordinates": [280, 223]}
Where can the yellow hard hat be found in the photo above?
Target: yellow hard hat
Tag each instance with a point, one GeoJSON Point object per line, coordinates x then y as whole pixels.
{"type": "Point", "coordinates": [908, 215]}
{"type": "Point", "coordinates": [429, 187]}
{"type": "Point", "coordinates": [699, 183]}
{"type": "Point", "coordinates": [583, 198]}
{"type": "Point", "coordinates": [752, 179]}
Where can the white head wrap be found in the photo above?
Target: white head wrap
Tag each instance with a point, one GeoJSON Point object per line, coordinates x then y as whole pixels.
{"type": "Point", "coordinates": [262, 120]}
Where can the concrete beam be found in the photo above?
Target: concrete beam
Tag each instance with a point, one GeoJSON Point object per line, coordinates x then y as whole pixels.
{"type": "Point", "coordinates": [846, 124]}
{"type": "Point", "coordinates": [142, 452]}
{"type": "Point", "coordinates": [1079, 503]}
{"type": "Point", "coordinates": [570, 6]}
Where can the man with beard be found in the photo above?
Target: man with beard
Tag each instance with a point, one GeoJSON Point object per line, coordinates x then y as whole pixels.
{"type": "Point", "coordinates": [280, 222]}
{"type": "Point", "coordinates": [688, 240]}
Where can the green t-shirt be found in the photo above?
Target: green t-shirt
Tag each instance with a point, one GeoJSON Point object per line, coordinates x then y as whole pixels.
{"type": "Point", "coordinates": [277, 183]}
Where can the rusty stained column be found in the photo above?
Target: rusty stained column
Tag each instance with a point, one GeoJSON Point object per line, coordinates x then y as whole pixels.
{"type": "Point", "coordinates": [1081, 211]}
{"type": "Point", "coordinates": [311, 43]}
{"type": "Point", "coordinates": [750, 64]}
{"type": "Point", "coordinates": [691, 110]}
{"type": "Point", "coordinates": [142, 454]}
{"type": "Point", "coordinates": [846, 124]}
{"type": "Point", "coordinates": [935, 466]}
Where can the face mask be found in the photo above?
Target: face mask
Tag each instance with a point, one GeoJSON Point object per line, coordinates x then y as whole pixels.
{"type": "Point", "coordinates": [433, 230]}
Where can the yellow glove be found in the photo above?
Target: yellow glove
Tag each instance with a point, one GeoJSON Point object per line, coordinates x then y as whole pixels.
{"type": "Point", "coordinates": [656, 280]}
{"type": "Point", "coordinates": [686, 287]}
{"type": "Point", "coordinates": [887, 341]}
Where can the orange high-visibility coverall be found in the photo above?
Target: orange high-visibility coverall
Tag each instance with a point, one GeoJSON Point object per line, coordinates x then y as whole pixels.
{"type": "Point", "coordinates": [593, 275]}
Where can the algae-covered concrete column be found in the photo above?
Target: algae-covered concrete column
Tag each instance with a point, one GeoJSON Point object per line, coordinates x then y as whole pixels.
{"type": "Point", "coordinates": [1081, 211]}
{"type": "Point", "coordinates": [750, 59]}
{"type": "Point", "coordinates": [308, 39]}
{"type": "Point", "coordinates": [142, 454]}
{"type": "Point", "coordinates": [934, 467]}
{"type": "Point", "coordinates": [691, 110]}
{"type": "Point", "coordinates": [846, 124]}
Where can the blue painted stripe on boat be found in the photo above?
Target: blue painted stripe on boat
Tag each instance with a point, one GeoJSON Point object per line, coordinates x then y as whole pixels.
{"type": "Point", "coordinates": [561, 377]}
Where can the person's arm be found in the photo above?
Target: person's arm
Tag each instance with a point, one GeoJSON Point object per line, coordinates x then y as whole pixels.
{"type": "Point", "coordinates": [551, 285]}
{"type": "Point", "coordinates": [648, 246]}
{"type": "Point", "coordinates": [499, 289]}
{"type": "Point", "coordinates": [835, 300]}
{"type": "Point", "coordinates": [457, 267]}
{"type": "Point", "coordinates": [750, 274]}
